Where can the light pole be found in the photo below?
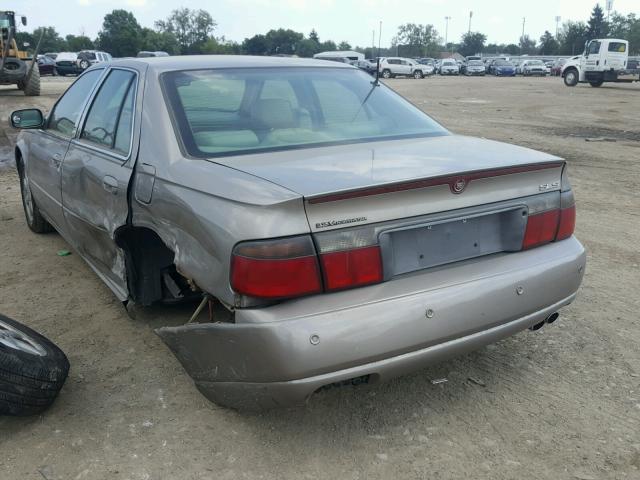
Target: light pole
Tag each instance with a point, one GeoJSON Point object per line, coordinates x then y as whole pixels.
{"type": "Point", "coordinates": [470, 15]}
{"type": "Point", "coordinates": [609, 8]}
{"type": "Point", "coordinates": [379, 37]}
{"type": "Point", "coordinates": [524, 20]}
{"type": "Point", "coordinates": [558, 18]}
{"type": "Point", "coordinates": [446, 31]}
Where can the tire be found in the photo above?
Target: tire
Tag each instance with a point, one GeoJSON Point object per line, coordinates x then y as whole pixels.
{"type": "Point", "coordinates": [571, 77]}
{"type": "Point", "coordinates": [35, 220]}
{"type": "Point", "coordinates": [597, 83]}
{"type": "Point", "coordinates": [32, 83]}
{"type": "Point", "coordinates": [417, 75]}
{"type": "Point", "coordinates": [32, 370]}
{"type": "Point", "coordinates": [84, 64]}
{"type": "Point", "coordinates": [386, 73]}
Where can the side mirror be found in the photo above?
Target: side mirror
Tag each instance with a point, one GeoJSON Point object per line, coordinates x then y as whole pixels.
{"type": "Point", "coordinates": [23, 19]}
{"type": "Point", "coordinates": [28, 118]}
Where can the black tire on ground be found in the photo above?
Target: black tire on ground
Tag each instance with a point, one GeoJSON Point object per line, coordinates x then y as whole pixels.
{"type": "Point", "coordinates": [32, 369]}
{"type": "Point", "coordinates": [417, 74]}
{"type": "Point", "coordinates": [386, 73]}
{"type": "Point", "coordinates": [571, 77]}
{"type": "Point", "coordinates": [597, 83]}
{"type": "Point", "coordinates": [31, 86]}
{"type": "Point", "coordinates": [84, 64]}
{"type": "Point", "coordinates": [35, 220]}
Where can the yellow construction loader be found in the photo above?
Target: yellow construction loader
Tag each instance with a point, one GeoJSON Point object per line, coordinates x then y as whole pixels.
{"type": "Point", "coordinates": [16, 67]}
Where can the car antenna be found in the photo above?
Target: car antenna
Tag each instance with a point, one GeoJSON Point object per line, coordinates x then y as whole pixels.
{"type": "Point", "coordinates": [376, 82]}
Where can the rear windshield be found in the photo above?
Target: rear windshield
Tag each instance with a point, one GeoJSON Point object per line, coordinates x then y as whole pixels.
{"type": "Point", "coordinates": [233, 111]}
{"type": "Point", "coordinates": [619, 47]}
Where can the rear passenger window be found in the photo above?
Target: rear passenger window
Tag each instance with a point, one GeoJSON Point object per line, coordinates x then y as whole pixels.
{"type": "Point", "coordinates": [618, 47]}
{"type": "Point", "coordinates": [65, 115]}
{"type": "Point", "coordinates": [113, 104]}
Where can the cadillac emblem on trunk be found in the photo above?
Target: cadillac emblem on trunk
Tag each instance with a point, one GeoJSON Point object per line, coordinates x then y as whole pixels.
{"type": "Point", "coordinates": [459, 185]}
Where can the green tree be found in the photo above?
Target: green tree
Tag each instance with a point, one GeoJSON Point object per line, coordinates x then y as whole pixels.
{"type": "Point", "coordinates": [328, 46]}
{"type": "Point", "coordinates": [572, 38]}
{"type": "Point", "coordinates": [192, 28]}
{"type": "Point", "coordinates": [220, 46]}
{"type": "Point", "coordinates": [120, 35]}
{"type": "Point", "coordinates": [597, 25]}
{"type": "Point", "coordinates": [548, 44]}
{"type": "Point", "coordinates": [344, 46]}
{"type": "Point", "coordinates": [313, 36]}
{"type": "Point", "coordinates": [527, 45]}
{"type": "Point", "coordinates": [80, 42]}
{"type": "Point", "coordinates": [472, 43]}
{"type": "Point", "coordinates": [159, 41]}
{"type": "Point", "coordinates": [256, 45]}
{"type": "Point", "coordinates": [307, 48]}
{"type": "Point", "coordinates": [283, 41]}
{"type": "Point", "coordinates": [419, 40]}
{"type": "Point", "coordinates": [512, 49]}
{"type": "Point", "coordinates": [627, 28]}
{"type": "Point", "coordinates": [51, 40]}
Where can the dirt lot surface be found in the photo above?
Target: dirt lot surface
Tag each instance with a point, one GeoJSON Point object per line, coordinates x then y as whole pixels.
{"type": "Point", "coordinates": [563, 402]}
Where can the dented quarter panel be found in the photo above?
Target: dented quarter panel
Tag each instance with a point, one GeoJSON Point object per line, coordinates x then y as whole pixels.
{"type": "Point", "coordinates": [201, 209]}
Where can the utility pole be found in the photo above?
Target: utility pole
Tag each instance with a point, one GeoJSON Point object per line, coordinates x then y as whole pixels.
{"type": "Point", "coordinates": [524, 19]}
{"type": "Point", "coordinates": [470, 15]}
{"type": "Point", "coordinates": [446, 31]}
{"type": "Point", "coordinates": [558, 18]}
{"type": "Point", "coordinates": [373, 43]}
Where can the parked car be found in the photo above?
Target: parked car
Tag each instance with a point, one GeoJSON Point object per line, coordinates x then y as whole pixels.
{"type": "Point", "coordinates": [146, 54]}
{"type": "Point", "coordinates": [449, 67]}
{"type": "Point", "coordinates": [46, 65]}
{"type": "Point", "coordinates": [556, 68]}
{"type": "Point", "coordinates": [533, 67]}
{"type": "Point", "coordinates": [346, 237]}
{"type": "Point", "coordinates": [474, 67]}
{"type": "Point", "coordinates": [51, 55]}
{"type": "Point", "coordinates": [367, 66]}
{"type": "Point", "coordinates": [502, 68]}
{"type": "Point", "coordinates": [396, 66]}
{"type": "Point", "coordinates": [67, 64]}
{"type": "Point", "coordinates": [86, 58]}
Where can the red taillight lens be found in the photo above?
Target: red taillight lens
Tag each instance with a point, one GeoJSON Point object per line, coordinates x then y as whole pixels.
{"type": "Point", "coordinates": [541, 228]}
{"type": "Point", "coordinates": [280, 268]}
{"type": "Point", "coordinates": [352, 268]}
{"type": "Point", "coordinates": [567, 222]}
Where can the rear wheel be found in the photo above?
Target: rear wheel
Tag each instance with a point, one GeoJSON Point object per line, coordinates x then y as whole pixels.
{"type": "Point", "coordinates": [386, 73]}
{"type": "Point", "coordinates": [35, 220]}
{"type": "Point", "coordinates": [597, 83]}
{"type": "Point", "coordinates": [571, 77]}
{"type": "Point", "coordinates": [84, 64]}
{"type": "Point", "coordinates": [417, 74]}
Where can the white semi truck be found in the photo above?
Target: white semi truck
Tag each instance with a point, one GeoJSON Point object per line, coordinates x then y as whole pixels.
{"type": "Point", "coordinates": [603, 60]}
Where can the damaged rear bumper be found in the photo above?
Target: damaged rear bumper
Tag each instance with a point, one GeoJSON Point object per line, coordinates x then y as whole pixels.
{"type": "Point", "coordinates": [280, 355]}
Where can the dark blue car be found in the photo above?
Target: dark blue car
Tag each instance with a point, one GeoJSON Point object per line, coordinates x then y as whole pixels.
{"type": "Point", "coordinates": [502, 68]}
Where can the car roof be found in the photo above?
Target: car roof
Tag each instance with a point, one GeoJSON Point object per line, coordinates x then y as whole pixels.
{"type": "Point", "coordinates": [198, 62]}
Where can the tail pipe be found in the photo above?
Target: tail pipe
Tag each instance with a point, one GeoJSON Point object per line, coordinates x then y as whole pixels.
{"type": "Point", "coordinates": [550, 319]}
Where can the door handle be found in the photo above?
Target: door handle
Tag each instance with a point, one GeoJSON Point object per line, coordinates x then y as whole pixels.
{"type": "Point", "coordinates": [110, 184]}
{"type": "Point", "coordinates": [56, 159]}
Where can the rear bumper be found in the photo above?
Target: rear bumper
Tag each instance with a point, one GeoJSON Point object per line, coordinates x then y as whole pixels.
{"type": "Point", "coordinates": [279, 356]}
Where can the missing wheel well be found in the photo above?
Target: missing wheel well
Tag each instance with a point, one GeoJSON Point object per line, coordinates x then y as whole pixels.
{"type": "Point", "coordinates": [151, 274]}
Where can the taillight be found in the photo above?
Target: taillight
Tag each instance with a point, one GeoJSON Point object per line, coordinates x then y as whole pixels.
{"type": "Point", "coordinates": [549, 226]}
{"type": "Point", "coordinates": [351, 268]}
{"type": "Point", "coordinates": [281, 268]}
{"type": "Point", "coordinates": [567, 222]}
{"type": "Point", "coordinates": [541, 228]}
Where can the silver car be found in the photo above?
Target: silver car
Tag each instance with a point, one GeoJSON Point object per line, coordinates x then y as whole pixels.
{"type": "Point", "coordinates": [344, 236]}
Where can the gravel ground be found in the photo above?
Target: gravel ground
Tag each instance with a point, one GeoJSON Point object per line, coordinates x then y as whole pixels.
{"type": "Point", "coordinates": [563, 402]}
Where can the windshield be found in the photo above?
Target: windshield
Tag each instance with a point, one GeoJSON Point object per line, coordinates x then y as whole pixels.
{"type": "Point", "coordinates": [226, 112]}
{"type": "Point", "coordinates": [502, 63]}
{"type": "Point", "coordinates": [476, 63]}
{"type": "Point", "coordinates": [534, 62]}
{"type": "Point", "coordinates": [448, 62]}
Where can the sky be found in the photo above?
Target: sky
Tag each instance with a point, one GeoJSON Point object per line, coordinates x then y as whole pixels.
{"type": "Point", "coordinates": [351, 20]}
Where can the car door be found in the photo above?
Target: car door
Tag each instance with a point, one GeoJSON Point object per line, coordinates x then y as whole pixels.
{"type": "Point", "coordinates": [49, 145]}
{"type": "Point", "coordinates": [592, 58]}
{"type": "Point", "coordinates": [96, 174]}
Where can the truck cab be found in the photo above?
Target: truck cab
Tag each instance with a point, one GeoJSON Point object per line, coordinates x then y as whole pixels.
{"type": "Point", "coordinates": [603, 60]}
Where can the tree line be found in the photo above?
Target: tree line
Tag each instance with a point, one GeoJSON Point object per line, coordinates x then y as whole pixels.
{"type": "Point", "coordinates": [188, 31]}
